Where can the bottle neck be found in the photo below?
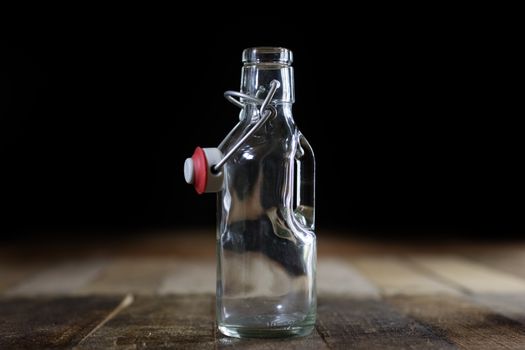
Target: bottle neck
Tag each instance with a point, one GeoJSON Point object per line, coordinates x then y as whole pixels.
{"type": "Point", "coordinates": [283, 109]}
{"type": "Point", "coordinates": [256, 78]}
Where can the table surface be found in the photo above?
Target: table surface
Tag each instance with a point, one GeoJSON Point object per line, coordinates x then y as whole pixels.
{"type": "Point", "coordinates": [157, 291]}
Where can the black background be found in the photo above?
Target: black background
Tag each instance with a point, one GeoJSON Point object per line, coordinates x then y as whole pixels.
{"type": "Point", "coordinates": [415, 124]}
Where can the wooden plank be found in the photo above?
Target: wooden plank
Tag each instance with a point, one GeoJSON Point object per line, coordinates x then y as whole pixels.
{"type": "Point", "coordinates": [509, 305]}
{"type": "Point", "coordinates": [511, 261]}
{"type": "Point", "coordinates": [131, 275]}
{"type": "Point", "coordinates": [468, 325]}
{"type": "Point", "coordinates": [470, 276]}
{"type": "Point", "coordinates": [180, 322]}
{"type": "Point", "coordinates": [46, 322]}
{"type": "Point", "coordinates": [396, 276]}
{"type": "Point", "coordinates": [502, 292]}
{"type": "Point", "coordinates": [334, 276]}
{"type": "Point", "coordinates": [371, 324]}
{"type": "Point", "coordinates": [190, 277]}
{"type": "Point", "coordinates": [62, 279]}
{"type": "Point", "coordinates": [13, 273]}
{"type": "Point", "coordinates": [161, 322]}
{"type": "Point", "coordinates": [338, 277]}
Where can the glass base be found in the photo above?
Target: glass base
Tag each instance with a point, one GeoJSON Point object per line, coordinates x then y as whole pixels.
{"type": "Point", "coordinates": [249, 332]}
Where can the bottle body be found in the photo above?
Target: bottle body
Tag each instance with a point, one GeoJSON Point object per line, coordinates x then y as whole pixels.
{"type": "Point", "coordinates": [266, 246]}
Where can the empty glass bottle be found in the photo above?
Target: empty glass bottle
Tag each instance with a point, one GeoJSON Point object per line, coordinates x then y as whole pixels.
{"type": "Point", "coordinates": [266, 246]}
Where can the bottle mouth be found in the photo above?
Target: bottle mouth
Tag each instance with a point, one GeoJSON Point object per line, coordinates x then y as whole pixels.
{"type": "Point", "coordinates": [257, 55]}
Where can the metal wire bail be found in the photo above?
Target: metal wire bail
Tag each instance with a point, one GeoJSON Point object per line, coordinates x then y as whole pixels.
{"type": "Point", "coordinates": [265, 112]}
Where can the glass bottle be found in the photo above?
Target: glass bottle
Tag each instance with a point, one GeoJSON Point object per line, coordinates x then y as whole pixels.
{"type": "Point", "coordinates": [266, 245]}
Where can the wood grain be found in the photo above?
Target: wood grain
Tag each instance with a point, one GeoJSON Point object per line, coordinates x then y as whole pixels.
{"type": "Point", "coordinates": [511, 261]}
{"type": "Point", "coordinates": [394, 275]}
{"type": "Point", "coordinates": [466, 324]}
{"type": "Point", "coordinates": [508, 305]}
{"type": "Point", "coordinates": [161, 322]}
{"type": "Point", "coordinates": [178, 322]}
{"type": "Point", "coordinates": [12, 274]}
{"type": "Point", "coordinates": [371, 324]}
{"type": "Point", "coordinates": [470, 276]}
{"type": "Point", "coordinates": [131, 275]}
{"type": "Point", "coordinates": [372, 295]}
{"type": "Point", "coordinates": [62, 279]}
{"type": "Point", "coordinates": [190, 277]}
{"type": "Point", "coordinates": [501, 292]}
{"type": "Point", "coordinates": [338, 276]}
{"type": "Point", "coordinates": [47, 322]}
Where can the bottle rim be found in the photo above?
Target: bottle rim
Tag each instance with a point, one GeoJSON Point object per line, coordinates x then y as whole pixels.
{"type": "Point", "coordinates": [258, 55]}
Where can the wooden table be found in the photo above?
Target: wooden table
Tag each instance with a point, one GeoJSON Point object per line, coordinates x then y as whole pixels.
{"type": "Point", "coordinates": [156, 291]}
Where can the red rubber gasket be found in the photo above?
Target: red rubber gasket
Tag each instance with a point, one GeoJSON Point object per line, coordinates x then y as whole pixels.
{"type": "Point", "coordinates": [200, 170]}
